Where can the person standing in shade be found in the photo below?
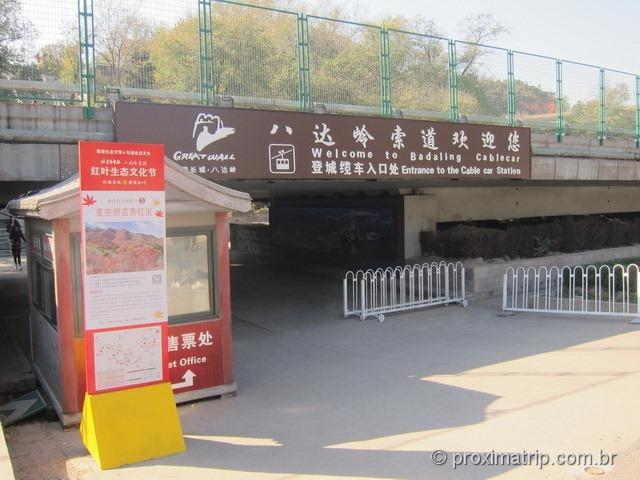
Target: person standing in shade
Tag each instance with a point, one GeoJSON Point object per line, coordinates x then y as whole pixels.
{"type": "Point", "coordinates": [15, 237]}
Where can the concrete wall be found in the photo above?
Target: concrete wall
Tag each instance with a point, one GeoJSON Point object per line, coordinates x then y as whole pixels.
{"type": "Point", "coordinates": [484, 278]}
{"type": "Point", "coordinates": [64, 120]}
{"type": "Point", "coordinates": [39, 142]}
{"type": "Point", "coordinates": [37, 162]}
{"type": "Point", "coordinates": [579, 158]}
{"type": "Point", "coordinates": [420, 214]}
{"type": "Point", "coordinates": [423, 212]}
{"type": "Point", "coordinates": [24, 125]}
{"type": "Point", "coordinates": [485, 203]}
{"type": "Point", "coordinates": [253, 239]}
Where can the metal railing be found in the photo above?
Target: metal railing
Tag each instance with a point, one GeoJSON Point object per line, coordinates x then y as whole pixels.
{"type": "Point", "coordinates": [585, 290]}
{"type": "Point", "coordinates": [374, 293]}
{"type": "Point", "coordinates": [91, 52]}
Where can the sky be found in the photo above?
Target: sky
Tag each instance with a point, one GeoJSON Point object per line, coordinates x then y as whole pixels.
{"type": "Point", "coordinates": [603, 33]}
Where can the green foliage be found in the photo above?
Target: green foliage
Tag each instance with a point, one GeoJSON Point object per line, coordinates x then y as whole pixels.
{"type": "Point", "coordinates": [543, 246]}
{"type": "Point", "coordinates": [255, 54]}
{"type": "Point", "coordinates": [13, 28]}
{"type": "Point", "coordinates": [122, 40]}
{"type": "Point", "coordinates": [174, 54]}
{"type": "Point", "coordinates": [561, 234]}
{"type": "Point", "coordinates": [419, 70]}
{"type": "Point", "coordinates": [620, 110]}
{"type": "Point", "coordinates": [59, 61]}
{"type": "Point", "coordinates": [344, 63]}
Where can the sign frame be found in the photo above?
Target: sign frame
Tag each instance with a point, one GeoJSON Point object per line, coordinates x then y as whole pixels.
{"type": "Point", "coordinates": [250, 144]}
{"type": "Point", "coordinates": [122, 219]}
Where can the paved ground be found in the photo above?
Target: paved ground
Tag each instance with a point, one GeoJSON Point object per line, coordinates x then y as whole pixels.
{"type": "Point", "coordinates": [15, 374]}
{"type": "Point", "coordinates": [324, 397]}
{"type": "Point", "coordinates": [15, 371]}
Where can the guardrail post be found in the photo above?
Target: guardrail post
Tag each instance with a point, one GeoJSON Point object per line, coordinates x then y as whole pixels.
{"type": "Point", "coordinates": [504, 291]}
{"type": "Point", "coordinates": [446, 283]}
{"type": "Point", "coordinates": [463, 284]}
{"type": "Point", "coordinates": [344, 297]}
{"type": "Point", "coordinates": [385, 73]}
{"type": "Point", "coordinates": [638, 292]}
{"type": "Point", "coordinates": [304, 88]}
{"type": "Point", "coordinates": [382, 291]}
{"type": "Point", "coordinates": [363, 300]}
{"type": "Point", "coordinates": [453, 82]}
{"type": "Point", "coordinates": [207, 69]}
{"type": "Point", "coordinates": [637, 111]}
{"type": "Point", "coordinates": [511, 98]}
{"type": "Point", "coordinates": [602, 122]}
{"type": "Point", "coordinates": [559, 102]}
{"type": "Point", "coordinates": [87, 67]}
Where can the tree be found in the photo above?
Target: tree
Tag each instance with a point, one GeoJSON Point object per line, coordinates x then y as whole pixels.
{"type": "Point", "coordinates": [255, 54]}
{"type": "Point", "coordinates": [619, 110]}
{"type": "Point", "coordinates": [344, 63]}
{"type": "Point", "coordinates": [174, 55]}
{"type": "Point", "coordinates": [122, 45]}
{"type": "Point", "coordinates": [478, 29]}
{"type": "Point", "coordinates": [419, 65]}
{"type": "Point", "coordinates": [13, 29]}
{"type": "Point", "coordinates": [59, 62]}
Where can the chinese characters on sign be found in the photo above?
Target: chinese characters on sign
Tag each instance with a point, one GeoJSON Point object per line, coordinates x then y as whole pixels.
{"type": "Point", "coordinates": [329, 146]}
{"type": "Point", "coordinates": [187, 341]}
{"type": "Point", "coordinates": [124, 274]}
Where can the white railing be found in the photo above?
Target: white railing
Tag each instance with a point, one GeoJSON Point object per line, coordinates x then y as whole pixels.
{"type": "Point", "coordinates": [591, 290]}
{"type": "Point", "coordinates": [377, 292]}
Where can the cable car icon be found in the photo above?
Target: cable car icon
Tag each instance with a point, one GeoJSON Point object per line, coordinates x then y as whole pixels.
{"type": "Point", "coordinates": [282, 158]}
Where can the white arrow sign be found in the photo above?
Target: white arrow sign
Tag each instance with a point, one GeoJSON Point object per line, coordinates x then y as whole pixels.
{"type": "Point", "coordinates": [187, 380]}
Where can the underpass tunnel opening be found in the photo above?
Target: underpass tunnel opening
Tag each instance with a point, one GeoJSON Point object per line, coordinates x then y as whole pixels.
{"type": "Point", "coordinates": [336, 232]}
{"type": "Point", "coordinates": [349, 230]}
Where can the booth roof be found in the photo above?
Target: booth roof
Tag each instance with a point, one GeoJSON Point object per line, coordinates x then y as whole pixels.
{"type": "Point", "coordinates": [185, 193]}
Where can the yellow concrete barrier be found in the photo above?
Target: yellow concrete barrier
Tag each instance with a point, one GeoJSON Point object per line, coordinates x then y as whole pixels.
{"type": "Point", "coordinates": [132, 425]}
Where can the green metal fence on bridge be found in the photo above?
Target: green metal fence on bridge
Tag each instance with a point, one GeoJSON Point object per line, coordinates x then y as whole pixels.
{"type": "Point", "coordinates": [92, 52]}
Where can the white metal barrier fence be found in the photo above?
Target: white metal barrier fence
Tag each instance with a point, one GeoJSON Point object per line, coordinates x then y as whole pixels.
{"type": "Point", "coordinates": [591, 290]}
{"type": "Point", "coordinates": [376, 292]}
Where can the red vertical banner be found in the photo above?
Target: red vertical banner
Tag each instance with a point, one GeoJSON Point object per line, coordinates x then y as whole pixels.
{"type": "Point", "coordinates": [123, 237]}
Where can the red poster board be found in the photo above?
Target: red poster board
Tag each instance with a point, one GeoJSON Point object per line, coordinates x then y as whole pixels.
{"type": "Point", "coordinates": [113, 166]}
{"type": "Point", "coordinates": [123, 249]}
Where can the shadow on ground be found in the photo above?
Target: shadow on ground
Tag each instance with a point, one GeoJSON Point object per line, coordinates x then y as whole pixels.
{"type": "Point", "coordinates": [311, 380]}
{"type": "Point", "coordinates": [322, 396]}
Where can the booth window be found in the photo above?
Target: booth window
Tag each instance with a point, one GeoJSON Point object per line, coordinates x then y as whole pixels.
{"type": "Point", "coordinates": [76, 279]}
{"type": "Point", "coordinates": [191, 287]}
{"type": "Point", "coordinates": [43, 287]}
{"type": "Point", "coordinates": [190, 274]}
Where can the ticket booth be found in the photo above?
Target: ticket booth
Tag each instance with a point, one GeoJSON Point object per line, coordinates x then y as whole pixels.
{"type": "Point", "coordinates": [198, 287]}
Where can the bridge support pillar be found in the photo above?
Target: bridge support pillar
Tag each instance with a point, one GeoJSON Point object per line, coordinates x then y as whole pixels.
{"type": "Point", "coordinates": [420, 214]}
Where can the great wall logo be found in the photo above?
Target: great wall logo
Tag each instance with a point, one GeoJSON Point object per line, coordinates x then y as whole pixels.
{"type": "Point", "coordinates": [208, 129]}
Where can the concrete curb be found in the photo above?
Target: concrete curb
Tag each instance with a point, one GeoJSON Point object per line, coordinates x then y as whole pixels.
{"type": "Point", "coordinates": [6, 470]}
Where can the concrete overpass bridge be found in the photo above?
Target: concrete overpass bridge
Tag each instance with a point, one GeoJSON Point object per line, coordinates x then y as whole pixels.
{"type": "Point", "coordinates": [38, 147]}
{"type": "Point", "coordinates": [586, 162]}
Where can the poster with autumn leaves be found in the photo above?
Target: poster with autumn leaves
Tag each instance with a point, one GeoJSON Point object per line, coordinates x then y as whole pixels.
{"type": "Point", "coordinates": [116, 247]}
{"type": "Point", "coordinates": [123, 234]}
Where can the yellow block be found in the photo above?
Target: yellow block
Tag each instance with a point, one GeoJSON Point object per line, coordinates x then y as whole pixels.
{"type": "Point", "coordinates": [133, 425]}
